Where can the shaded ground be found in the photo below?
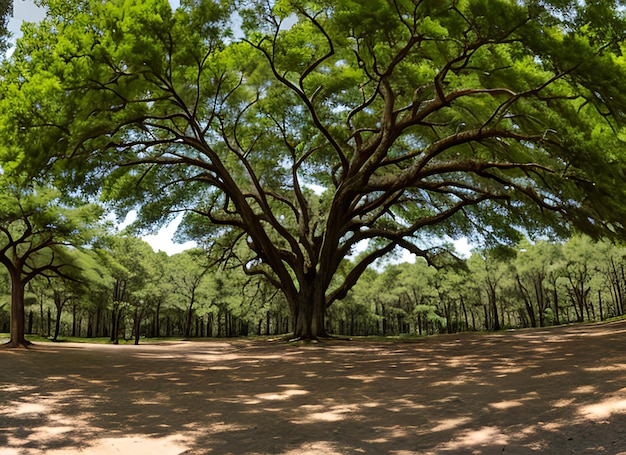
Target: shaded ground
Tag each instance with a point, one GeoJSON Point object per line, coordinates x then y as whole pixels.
{"type": "Point", "coordinates": [553, 391]}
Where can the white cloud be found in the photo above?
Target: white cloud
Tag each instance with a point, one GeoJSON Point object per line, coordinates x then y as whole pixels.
{"type": "Point", "coordinates": [162, 240]}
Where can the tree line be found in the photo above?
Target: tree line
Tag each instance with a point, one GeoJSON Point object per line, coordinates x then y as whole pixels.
{"type": "Point", "coordinates": [139, 293]}
{"type": "Point", "coordinates": [531, 285]}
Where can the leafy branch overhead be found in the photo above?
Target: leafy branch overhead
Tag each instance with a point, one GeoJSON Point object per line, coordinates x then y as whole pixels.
{"type": "Point", "coordinates": [320, 129]}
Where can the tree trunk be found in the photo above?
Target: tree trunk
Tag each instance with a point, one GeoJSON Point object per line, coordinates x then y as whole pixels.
{"type": "Point", "coordinates": [57, 323]}
{"type": "Point", "coordinates": [42, 330]}
{"type": "Point", "coordinates": [600, 305]}
{"type": "Point", "coordinates": [97, 320]}
{"type": "Point", "coordinates": [137, 325]}
{"type": "Point", "coordinates": [555, 297]}
{"type": "Point", "coordinates": [308, 313]}
{"type": "Point", "coordinates": [209, 325]}
{"type": "Point", "coordinates": [493, 301]}
{"type": "Point", "coordinates": [116, 323]}
{"type": "Point", "coordinates": [157, 320]}
{"type": "Point", "coordinates": [464, 314]}
{"type": "Point", "coordinates": [17, 312]}
{"type": "Point", "coordinates": [74, 311]}
{"type": "Point", "coordinates": [113, 323]}
{"type": "Point", "coordinates": [189, 323]}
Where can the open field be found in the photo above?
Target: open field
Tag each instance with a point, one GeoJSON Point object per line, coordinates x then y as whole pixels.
{"type": "Point", "coordinates": [554, 391]}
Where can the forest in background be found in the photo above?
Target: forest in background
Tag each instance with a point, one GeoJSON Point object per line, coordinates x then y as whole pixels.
{"type": "Point", "coordinates": [133, 292]}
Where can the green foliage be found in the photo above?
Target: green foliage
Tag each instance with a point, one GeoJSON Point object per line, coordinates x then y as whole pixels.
{"type": "Point", "coordinates": [39, 231]}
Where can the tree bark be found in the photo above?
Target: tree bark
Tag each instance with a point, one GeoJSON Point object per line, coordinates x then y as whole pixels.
{"type": "Point", "coordinates": [189, 321]}
{"type": "Point", "coordinates": [18, 318]}
{"type": "Point", "coordinates": [137, 325]}
{"type": "Point", "coordinates": [57, 323]}
{"type": "Point", "coordinates": [309, 312]}
{"type": "Point", "coordinates": [493, 302]}
{"type": "Point", "coordinates": [59, 303]}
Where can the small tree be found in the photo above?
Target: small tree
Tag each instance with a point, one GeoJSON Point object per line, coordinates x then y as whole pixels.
{"type": "Point", "coordinates": [187, 276]}
{"type": "Point", "coordinates": [39, 235]}
{"type": "Point", "coordinates": [127, 260]}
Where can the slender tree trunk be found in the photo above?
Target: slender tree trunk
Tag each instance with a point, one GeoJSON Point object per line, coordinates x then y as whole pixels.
{"type": "Point", "coordinates": [555, 297]}
{"type": "Point", "coordinates": [89, 325]}
{"type": "Point", "coordinates": [621, 295]}
{"type": "Point", "coordinates": [493, 301]}
{"type": "Point", "coordinates": [530, 309]}
{"type": "Point", "coordinates": [189, 323]}
{"type": "Point", "coordinates": [465, 314]}
{"type": "Point", "coordinates": [57, 322]}
{"type": "Point", "coordinates": [600, 305]}
{"type": "Point", "coordinates": [117, 324]}
{"type": "Point", "coordinates": [541, 300]}
{"type": "Point", "coordinates": [42, 329]}
{"type": "Point", "coordinates": [97, 319]}
{"type": "Point", "coordinates": [113, 323]}
{"type": "Point", "coordinates": [157, 320]}
{"type": "Point", "coordinates": [487, 320]}
{"type": "Point", "coordinates": [74, 320]}
{"type": "Point", "coordinates": [137, 325]}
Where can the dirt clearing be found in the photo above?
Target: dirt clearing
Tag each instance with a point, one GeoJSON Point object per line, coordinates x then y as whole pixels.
{"type": "Point", "coordinates": [554, 391]}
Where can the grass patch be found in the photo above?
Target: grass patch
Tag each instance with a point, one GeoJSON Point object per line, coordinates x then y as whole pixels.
{"type": "Point", "coordinates": [101, 340]}
{"type": "Point", "coordinates": [616, 318]}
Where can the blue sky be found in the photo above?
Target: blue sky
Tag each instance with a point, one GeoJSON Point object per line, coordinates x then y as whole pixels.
{"type": "Point", "coordinates": [24, 10]}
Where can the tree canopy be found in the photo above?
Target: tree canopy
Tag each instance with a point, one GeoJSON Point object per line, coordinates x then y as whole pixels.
{"type": "Point", "coordinates": [40, 236]}
{"type": "Point", "coordinates": [325, 128]}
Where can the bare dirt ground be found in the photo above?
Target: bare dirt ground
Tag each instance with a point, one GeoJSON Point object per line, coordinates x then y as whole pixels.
{"type": "Point", "coordinates": [553, 391]}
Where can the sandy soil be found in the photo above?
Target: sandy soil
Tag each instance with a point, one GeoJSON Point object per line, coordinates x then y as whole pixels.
{"type": "Point", "coordinates": [553, 391]}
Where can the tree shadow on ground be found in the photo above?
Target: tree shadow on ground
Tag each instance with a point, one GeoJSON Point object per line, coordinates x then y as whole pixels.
{"type": "Point", "coordinates": [558, 390]}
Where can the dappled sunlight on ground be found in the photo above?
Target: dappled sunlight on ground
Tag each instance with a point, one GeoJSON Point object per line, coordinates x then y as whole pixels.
{"type": "Point", "coordinates": [485, 436]}
{"type": "Point", "coordinates": [558, 390]}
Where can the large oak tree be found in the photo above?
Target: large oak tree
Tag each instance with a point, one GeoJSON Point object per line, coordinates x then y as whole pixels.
{"type": "Point", "coordinates": [317, 129]}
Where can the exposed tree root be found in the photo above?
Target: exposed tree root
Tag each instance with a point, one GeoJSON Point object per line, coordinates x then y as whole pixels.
{"type": "Point", "coordinates": [316, 339]}
{"type": "Point", "coordinates": [16, 344]}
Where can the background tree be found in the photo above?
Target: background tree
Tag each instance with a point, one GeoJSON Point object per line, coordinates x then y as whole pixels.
{"type": "Point", "coordinates": [581, 257]}
{"type": "Point", "coordinates": [377, 123]}
{"type": "Point", "coordinates": [613, 269]}
{"type": "Point", "coordinates": [39, 234]}
{"type": "Point", "coordinates": [365, 295]}
{"type": "Point", "coordinates": [492, 268]}
{"type": "Point", "coordinates": [127, 260]}
{"type": "Point", "coordinates": [157, 291]}
{"type": "Point", "coordinates": [188, 280]}
{"type": "Point", "coordinates": [73, 285]}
